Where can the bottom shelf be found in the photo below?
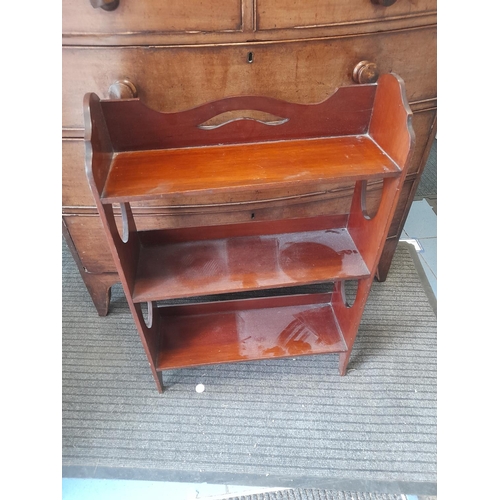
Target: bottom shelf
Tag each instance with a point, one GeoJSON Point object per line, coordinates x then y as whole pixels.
{"type": "Point", "coordinates": [244, 330]}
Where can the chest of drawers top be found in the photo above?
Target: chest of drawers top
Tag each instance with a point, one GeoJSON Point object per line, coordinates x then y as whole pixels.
{"type": "Point", "coordinates": [135, 22]}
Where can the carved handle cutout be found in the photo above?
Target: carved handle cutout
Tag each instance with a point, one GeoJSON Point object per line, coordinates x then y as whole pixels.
{"type": "Point", "coordinates": [371, 197]}
{"type": "Point", "coordinates": [147, 313]}
{"type": "Point", "coordinates": [244, 114]}
{"type": "Point", "coordinates": [349, 291]}
{"type": "Point", "coordinates": [124, 233]}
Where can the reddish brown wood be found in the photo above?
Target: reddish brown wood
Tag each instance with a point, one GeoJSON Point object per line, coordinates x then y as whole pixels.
{"type": "Point", "coordinates": [234, 264]}
{"type": "Point", "coordinates": [185, 53]}
{"type": "Point", "coordinates": [180, 263]}
{"type": "Point", "coordinates": [391, 127]}
{"type": "Point", "coordinates": [125, 254]}
{"type": "Point", "coordinates": [133, 126]}
{"type": "Point", "coordinates": [146, 175]}
{"type": "Point", "coordinates": [229, 334]}
{"type": "Point", "coordinates": [248, 228]}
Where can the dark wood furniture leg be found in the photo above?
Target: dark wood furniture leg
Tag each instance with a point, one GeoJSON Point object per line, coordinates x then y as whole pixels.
{"type": "Point", "coordinates": [392, 243]}
{"type": "Point", "coordinates": [98, 285]}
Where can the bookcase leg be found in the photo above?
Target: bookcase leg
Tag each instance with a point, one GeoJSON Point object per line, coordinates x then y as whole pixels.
{"type": "Point", "coordinates": [386, 258]}
{"type": "Point", "coordinates": [148, 328]}
{"type": "Point", "coordinates": [348, 314]}
{"type": "Point", "coordinates": [158, 380]}
{"type": "Point", "coordinates": [344, 361]}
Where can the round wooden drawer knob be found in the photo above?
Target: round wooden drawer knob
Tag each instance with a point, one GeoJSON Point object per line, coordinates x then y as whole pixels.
{"type": "Point", "coordinates": [365, 72]}
{"type": "Point", "coordinates": [384, 3]}
{"type": "Point", "coordinates": [122, 89]}
{"type": "Point", "coordinates": [105, 4]}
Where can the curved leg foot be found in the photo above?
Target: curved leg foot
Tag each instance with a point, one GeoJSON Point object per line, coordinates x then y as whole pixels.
{"type": "Point", "coordinates": [343, 362]}
{"type": "Point", "coordinates": [385, 261]}
{"type": "Point", "coordinates": [98, 285]}
{"type": "Point", "coordinates": [99, 288]}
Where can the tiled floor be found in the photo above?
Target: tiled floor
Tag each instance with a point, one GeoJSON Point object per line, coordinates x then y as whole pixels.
{"type": "Point", "coordinates": [420, 230]}
{"type": "Point", "coordinates": [107, 489]}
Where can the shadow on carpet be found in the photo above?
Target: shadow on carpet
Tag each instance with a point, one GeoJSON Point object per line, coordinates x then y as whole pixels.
{"type": "Point", "coordinates": [281, 423]}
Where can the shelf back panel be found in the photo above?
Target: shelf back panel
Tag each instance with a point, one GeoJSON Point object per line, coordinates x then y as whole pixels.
{"type": "Point", "coordinates": [133, 126]}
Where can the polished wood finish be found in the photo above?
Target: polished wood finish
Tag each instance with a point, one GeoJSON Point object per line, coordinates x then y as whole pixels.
{"type": "Point", "coordinates": [197, 335]}
{"type": "Point", "coordinates": [254, 255]}
{"type": "Point", "coordinates": [77, 197]}
{"type": "Point", "coordinates": [142, 176]}
{"type": "Point", "coordinates": [180, 54]}
{"type": "Point", "coordinates": [236, 264]}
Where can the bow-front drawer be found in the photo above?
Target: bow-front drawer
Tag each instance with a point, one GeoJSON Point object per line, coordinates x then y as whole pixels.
{"type": "Point", "coordinates": [129, 17]}
{"type": "Point", "coordinates": [177, 78]}
{"type": "Point", "coordinates": [279, 14]}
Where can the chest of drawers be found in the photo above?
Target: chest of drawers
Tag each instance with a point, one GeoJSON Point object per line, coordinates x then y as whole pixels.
{"type": "Point", "coordinates": [179, 54]}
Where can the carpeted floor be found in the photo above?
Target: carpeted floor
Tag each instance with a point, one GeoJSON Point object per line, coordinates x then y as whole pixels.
{"type": "Point", "coordinates": [290, 422]}
{"type": "Point", "coordinates": [315, 494]}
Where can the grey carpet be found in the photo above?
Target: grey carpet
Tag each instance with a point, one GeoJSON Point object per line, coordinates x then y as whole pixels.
{"type": "Point", "coordinates": [286, 423]}
{"type": "Point", "coordinates": [315, 494]}
{"type": "Point", "coordinates": [427, 187]}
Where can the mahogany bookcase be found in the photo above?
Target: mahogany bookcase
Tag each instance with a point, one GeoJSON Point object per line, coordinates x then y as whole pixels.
{"type": "Point", "coordinates": [236, 152]}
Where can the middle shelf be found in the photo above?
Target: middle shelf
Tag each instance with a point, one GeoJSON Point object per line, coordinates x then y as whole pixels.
{"type": "Point", "coordinates": [261, 255]}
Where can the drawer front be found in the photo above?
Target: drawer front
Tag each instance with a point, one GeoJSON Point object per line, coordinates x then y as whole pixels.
{"type": "Point", "coordinates": [177, 78]}
{"type": "Point", "coordinates": [75, 188]}
{"type": "Point", "coordinates": [279, 14]}
{"type": "Point", "coordinates": [87, 235]}
{"type": "Point", "coordinates": [133, 16]}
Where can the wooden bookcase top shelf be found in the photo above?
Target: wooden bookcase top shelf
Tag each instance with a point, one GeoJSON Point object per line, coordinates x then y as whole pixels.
{"type": "Point", "coordinates": [251, 149]}
{"type": "Point", "coordinates": [152, 174]}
